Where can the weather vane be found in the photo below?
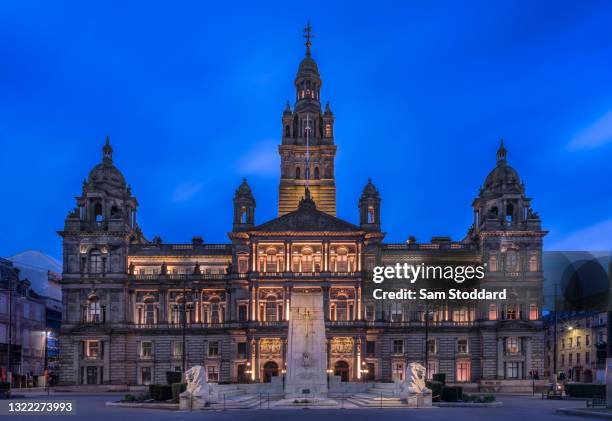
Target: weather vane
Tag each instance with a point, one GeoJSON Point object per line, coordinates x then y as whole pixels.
{"type": "Point", "coordinates": [308, 35]}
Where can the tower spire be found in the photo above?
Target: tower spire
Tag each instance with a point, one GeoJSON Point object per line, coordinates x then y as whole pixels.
{"type": "Point", "coordinates": [107, 151]}
{"type": "Point", "coordinates": [308, 35]}
{"type": "Point", "coordinates": [501, 152]}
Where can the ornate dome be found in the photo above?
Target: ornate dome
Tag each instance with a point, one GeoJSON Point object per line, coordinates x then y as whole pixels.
{"type": "Point", "coordinates": [503, 178]}
{"type": "Point", "coordinates": [308, 68]}
{"type": "Point", "coordinates": [370, 190]}
{"type": "Point", "coordinates": [244, 190]}
{"type": "Point", "coordinates": [106, 172]}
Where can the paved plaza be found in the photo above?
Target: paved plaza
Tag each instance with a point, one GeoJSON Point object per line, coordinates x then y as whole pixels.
{"type": "Point", "coordinates": [93, 407]}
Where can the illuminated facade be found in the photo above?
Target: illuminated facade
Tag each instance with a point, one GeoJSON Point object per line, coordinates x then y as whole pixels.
{"type": "Point", "coordinates": [129, 301]}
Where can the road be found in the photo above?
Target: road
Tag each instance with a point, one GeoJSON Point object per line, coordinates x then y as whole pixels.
{"type": "Point", "coordinates": [93, 408]}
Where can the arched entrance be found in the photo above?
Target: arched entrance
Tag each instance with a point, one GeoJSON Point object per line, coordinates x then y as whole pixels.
{"type": "Point", "coordinates": [270, 370]}
{"type": "Point", "coordinates": [341, 368]}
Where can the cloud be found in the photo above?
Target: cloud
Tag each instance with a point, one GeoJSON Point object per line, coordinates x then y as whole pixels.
{"type": "Point", "coordinates": [261, 160]}
{"type": "Point", "coordinates": [186, 191]}
{"type": "Point", "coordinates": [597, 134]}
{"type": "Point", "coordinates": [597, 237]}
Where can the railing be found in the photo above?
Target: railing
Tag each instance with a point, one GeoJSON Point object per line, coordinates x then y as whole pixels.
{"type": "Point", "coordinates": [249, 275]}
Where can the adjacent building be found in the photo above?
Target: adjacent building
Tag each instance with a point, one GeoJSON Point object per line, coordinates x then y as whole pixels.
{"type": "Point", "coordinates": [134, 308]}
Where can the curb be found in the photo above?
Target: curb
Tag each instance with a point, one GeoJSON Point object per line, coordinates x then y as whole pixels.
{"type": "Point", "coordinates": [579, 412]}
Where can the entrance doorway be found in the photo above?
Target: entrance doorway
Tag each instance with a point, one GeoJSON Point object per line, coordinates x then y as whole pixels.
{"type": "Point", "coordinates": [341, 368]}
{"type": "Point", "coordinates": [371, 374]}
{"type": "Point", "coordinates": [270, 370]}
{"type": "Point", "coordinates": [92, 375]}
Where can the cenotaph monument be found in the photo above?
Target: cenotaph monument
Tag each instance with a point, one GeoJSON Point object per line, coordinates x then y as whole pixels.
{"type": "Point", "coordinates": [306, 354]}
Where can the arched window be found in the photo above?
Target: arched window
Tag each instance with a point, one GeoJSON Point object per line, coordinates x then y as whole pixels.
{"type": "Point", "coordinates": [95, 261]}
{"type": "Point", "coordinates": [307, 260]}
{"type": "Point", "coordinates": [98, 215]}
{"type": "Point", "coordinates": [94, 312]}
{"type": "Point", "coordinates": [342, 260]}
{"type": "Point", "coordinates": [493, 212]}
{"type": "Point", "coordinates": [534, 314]}
{"type": "Point", "coordinates": [287, 131]}
{"type": "Point", "coordinates": [243, 215]}
{"type": "Point", "coordinates": [342, 309]}
{"type": "Point", "coordinates": [509, 212]}
{"type": "Point", "coordinates": [512, 261]}
{"type": "Point", "coordinates": [316, 173]}
{"type": "Point", "coordinates": [370, 214]}
{"type": "Point", "coordinates": [271, 260]}
{"type": "Point", "coordinates": [328, 131]}
{"type": "Point", "coordinates": [533, 263]}
{"type": "Point", "coordinates": [297, 173]}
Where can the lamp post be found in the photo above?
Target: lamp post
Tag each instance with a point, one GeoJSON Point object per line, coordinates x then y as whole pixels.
{"type": "Point", "coordinates": [427, 315]}
{"type": "Point", "coordinates": [184, 325]}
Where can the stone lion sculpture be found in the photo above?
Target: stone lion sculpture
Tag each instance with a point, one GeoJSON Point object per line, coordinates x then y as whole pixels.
{"type": "Point", "coordinates": [413, 388]}
{"type": "Point", "coordinates": [198, 393]}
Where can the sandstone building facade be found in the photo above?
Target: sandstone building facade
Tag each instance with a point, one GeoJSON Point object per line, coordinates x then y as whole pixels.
{"type": "Point", "coordinates": [135, 309]}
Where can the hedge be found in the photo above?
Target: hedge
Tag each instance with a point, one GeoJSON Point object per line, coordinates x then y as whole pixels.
{"type": "Point", "coordinates": [585, 390]}
{"type": "Point", "coordinates": [452, 393]}
{"type": "Point", "coordinates": [439, 377]}
{"type": "Point", "coordinates": [436, 389]}
{"type": "Point", "coordinates": [173, 377]}
{"type": "Point", "coordinates": [177, 389]}
{"type": "Point", "coordinates": [160, 392]}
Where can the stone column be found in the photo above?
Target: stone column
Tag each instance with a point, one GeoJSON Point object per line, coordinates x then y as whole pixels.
{"type": "Point", "coordinates": [527, 367]}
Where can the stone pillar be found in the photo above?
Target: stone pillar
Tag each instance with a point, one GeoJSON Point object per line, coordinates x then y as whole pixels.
{"type": "Point", "coordinates": [528, 368]}
{"type": "Point", "coordinates": [500, 358]}
{"type": "Point", "coordinates": [326, 291]}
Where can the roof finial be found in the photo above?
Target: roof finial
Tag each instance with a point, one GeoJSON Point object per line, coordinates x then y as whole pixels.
{"type": "Point", "coordinates": [308, 35]}
{"type": "Point", "coordinates": [107, 151]}
{"type": "Point", "coordinates": [501, 152]}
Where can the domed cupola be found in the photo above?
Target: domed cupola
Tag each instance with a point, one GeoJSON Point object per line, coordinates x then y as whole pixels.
{"type": "Point", "coordinates": [308, 81]}
{"type": "Point", "coordinates": [503, 179]}
{"type": "Point", "coordinates": [501, 203]}
{"type": "Point", "coordinates": [369, 207]}
{"type": "Point", "coordinates": [244, 207]}
{"type": "Point", "coordinates": [106, 202]}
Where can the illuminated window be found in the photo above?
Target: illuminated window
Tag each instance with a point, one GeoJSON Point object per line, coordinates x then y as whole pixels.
{"type": "Point", "coordinates": [493, 311]}
{"type": "Point", "coordinates": [371, 215]}
{"type": "Point", "coordinates": [463, 371]}
{"type": "Point", "coordinates": [92, 349]}
{"type": "Point", "coordinates": [398, 371]}
{"type": "Point", "coordinates": [145, 375]}
{"type": "Point", "coordinates": [213, 373]}
{"type": "Point", "coordinates": [94, 312]}
{"type": "Point", "coordinates": [271, 310]}
{"type": "Point", "coordinates": [177, 349]}
{"type": "Point", "coordinates": [533, 312]}
{"type": "Point", "coordinates": [328, 130]}
{"type": "Point", "coordinates": [533, 264]}
{"type": "Point", "coordinates": [512, 345]}
{"type": "Point", "coordinates": [432, 368]}
{"type": "Point", "coordinates": [512, 261]}
{"type": "Point", "coordinates": [511, 312]}
{"type": "Point", "coordinates": [431, 346]}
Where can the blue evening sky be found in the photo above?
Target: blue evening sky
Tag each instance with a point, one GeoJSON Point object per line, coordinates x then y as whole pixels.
{"type": "Point", "coordinates": [191, 94]}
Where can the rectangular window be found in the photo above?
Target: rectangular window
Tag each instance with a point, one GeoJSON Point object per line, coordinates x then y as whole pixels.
{"type": "Point", "coordinates": [213, 373]}
{"type": "Point", "coordinates": [146, 349]}
{"type": "Point", "coordinates": [145, 375]}
{"type": "Point", "coordinates": [242, 313]}
{"type": "Point", "coordinates": [588, 340]}
{"type": "Point", "coordinates": [578, 341]}
{"type": "Point", "coordinates": [463, 371]}
{"type": "Point", "coordinates": [431, 346]}
{"type": "Point", "coordinates": [562, 359]}
{"type": "Point", "coordinates": [512, 370]}
{"type": "Point", "coordinates": [563, 343]}
{"type": "Point", "coordinates": [92, 349]}
{"type": "Point", "coordinates": [534, 314]}
{"type": "Point", "coordinates": [177, 349]}
{"type": "Point", "coordinates": [587, 357]}
{"type": "Point", "coordinates": [398, 371]}
{"type": "Point", "coordinates": [370, 349]}
{"type": "Point", "coordinates": [493, 312]}
{"type": "Point", "coordinates": [512, 345]}
{"type": "Point", "coordinates": [577, 357]}
{"type": "Point", "coordinates": [570, 358]}
{"type": "Point", "coordinates": [370, 313]}
{"type": "Point", "coordinates": [242, 349]}
{"type": "Point", "coordinates": [398, 346]}
{"type": "Point", "coordinates": [511, 313]}
{"type": "Point", "coordinates": [462, 346]}
{"type": "Point", "coordinates": [213, 349]}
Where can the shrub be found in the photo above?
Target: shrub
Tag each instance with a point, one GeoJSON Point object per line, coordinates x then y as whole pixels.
{"type": "Point", "coordinates": [439, 377]}
{"type": "Point", "coordinates": [436, 389]}
{"type": "Point", "coordinates": [489, 398]}
{"type": "Point", "coordinates": [5, 385]}
{"type": "Point", "coordinates": [160, 392]}
{"type": "Point", "coordinates": [585, 390]}
{"type": "Point", "coordinates": [173, 377]}
{"type": "Point", "coordinates": [129, 398]}
{"type": "Point", "coordinates": [452, 394]}
{"type": "Point", "coordinates": [177, 389]}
